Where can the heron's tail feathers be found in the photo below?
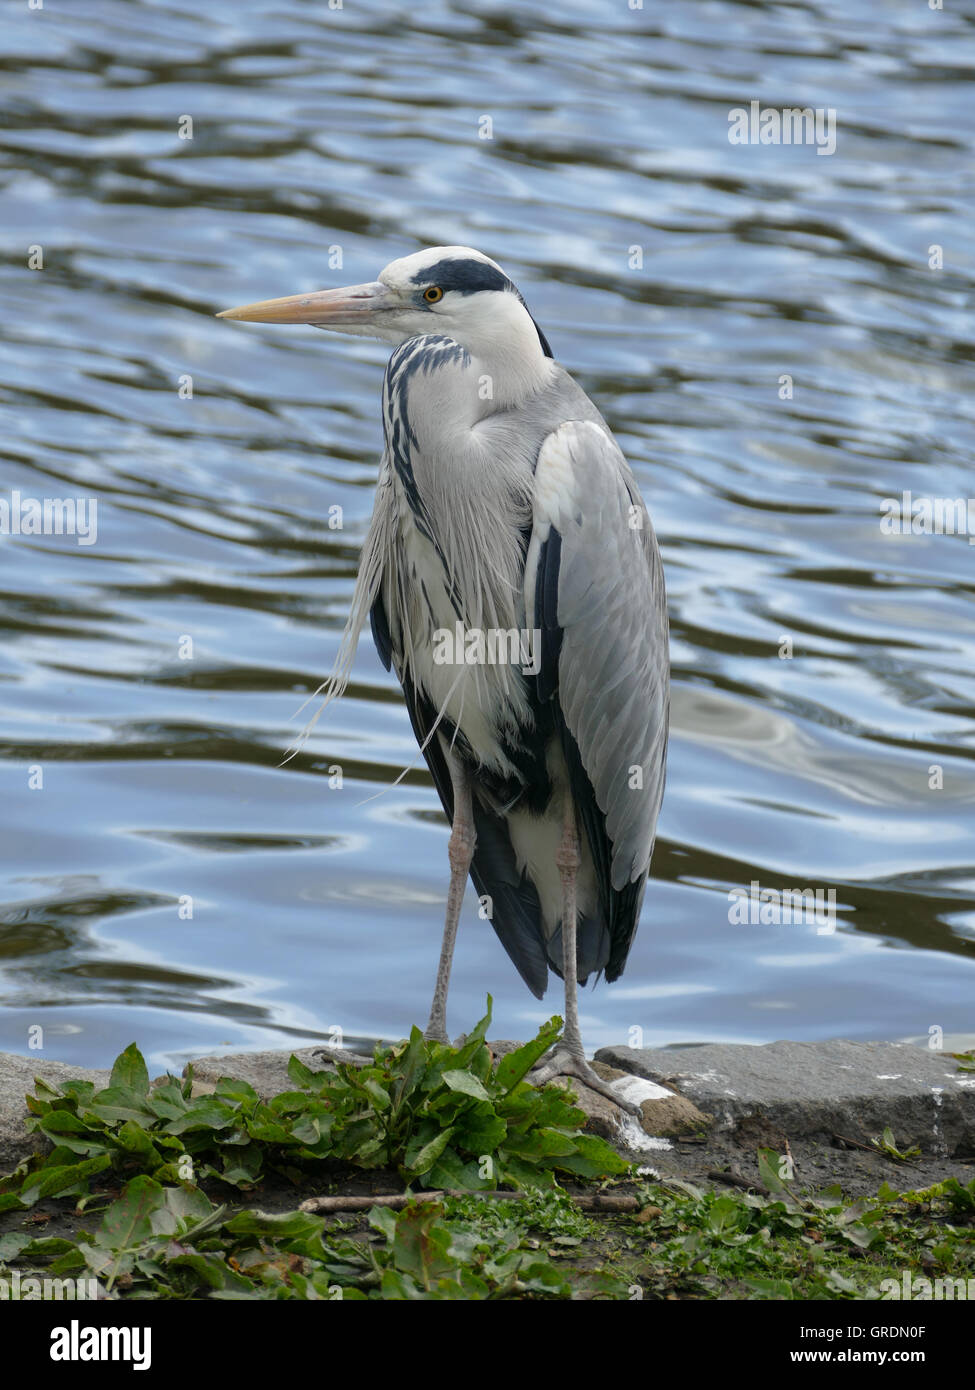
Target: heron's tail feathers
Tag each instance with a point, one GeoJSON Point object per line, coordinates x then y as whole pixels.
{"type": "Point", "coordinates": [592, 948]}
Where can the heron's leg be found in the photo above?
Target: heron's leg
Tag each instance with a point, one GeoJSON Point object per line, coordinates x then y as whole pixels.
{"type": "Point", "coordinates": [460, 851]}
{"type": "Point", "coordinates": [568, 859]}
{"type": "Point", "coordinates": [569, 1058]}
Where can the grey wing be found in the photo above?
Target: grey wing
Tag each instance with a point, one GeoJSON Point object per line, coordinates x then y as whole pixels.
{"type": "Point", "coordinates": [594, 582]}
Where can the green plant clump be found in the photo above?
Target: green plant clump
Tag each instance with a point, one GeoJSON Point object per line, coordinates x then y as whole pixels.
{"type": "Point", "coordinates": [441, 1116]}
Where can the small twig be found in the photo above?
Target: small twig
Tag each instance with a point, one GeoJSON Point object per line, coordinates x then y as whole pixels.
{"type": "Point", "coordinates": [397, 1202]}
{"type": "Point", "coordinates": [597, 1201]}
{"type": "Point", "coordinates": [855, 1144]}
{"type": "Point", "coordinates": [607, 1201]}
{"type": "Point", "coordinates": [736, 1180]}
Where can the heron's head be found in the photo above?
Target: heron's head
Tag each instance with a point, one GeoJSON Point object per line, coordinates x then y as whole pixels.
{"type": "Point", "coordinates": [452, 290]}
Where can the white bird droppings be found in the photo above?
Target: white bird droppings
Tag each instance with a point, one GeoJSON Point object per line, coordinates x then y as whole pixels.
{"type": "Point", "coordinates": [638, 1089]}
{"type": "Point", "coordinates": [635, 1137]}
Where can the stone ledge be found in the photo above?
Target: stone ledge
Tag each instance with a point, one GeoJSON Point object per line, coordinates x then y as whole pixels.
{"type": "Point", "coordinates": [818, 1089]}
{"type": "Point", "coordinates": [16, 1080]}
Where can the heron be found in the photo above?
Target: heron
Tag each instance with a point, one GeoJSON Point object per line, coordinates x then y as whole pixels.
{"type": "Point", "coordinates": [505, 506]}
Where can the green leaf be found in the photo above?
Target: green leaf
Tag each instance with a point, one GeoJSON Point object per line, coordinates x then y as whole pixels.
{"type": "Point", "coordinates": [381, 1219]}
{"type": "Point", "coordinates": [377, 1093]}
{"type": "Point", "coordinates": [473, 1044]}
{"type": "Point", "coordinates": [130, 1071]}
{"type": "Point", "coordinates": [205, 1112]}
{"type": "Point", "coordinates": [466, 1083]}
{"type": "Point", "coordinates": [597, 1150]}
{"type": "Point", "coordinates": [133, 1140]}
{"type": "Point", "coordinates": [11, 1245]}
{"type": "Point", "coordinates": [189, 1205]}
{"type": "Point", "coordinates": [116, 1104]}
{"type": "Point", "coordinates": [46, 1248]}
{"type": "Point", "coordinates": [234, 1088]}
{"type": "Point", "coordinates": [78, 1091]}
{"type": "Point", "coordinates": [521, 1173]}
{"type": "Point", "coordinates": [516, 1065]}
{"type": "Point", "coordinates": [451, 1171]}
{"type": "Point", "coordinates": [64, 1127]}
{"type": "Point", "coordinates": [72, 1260]}
{"type": "Point", "coordinates": [294, 1103]}
{"type": "Point", "coordinates": [725, 1216]}
{"type": "Point", "coordinates": [296, 1224]}
{"type": "Point", "coordinates": [60, 1179]}
{"type": "Point", "coordinates": [169, 1100]}
{"type": "Point", "coordinates": [243, 1167]}
{"type": "Point", "coordinates": [314, 1130]}
{"type": "Point", "coordinates": [541, 1276]}
{"type": "Point", "coordinates": [267, 1131]}
{"type": "Point", "coordinates": [428, 1155]}
{"type": "Point", "coordinates": [100, 1262]}
{"type": "Point", "coordinates": [541, 1143]}
{"type": "Point", "coordinates": [769, 1163]}
{"type": "Point", "coordinates": [300, 1074]}
{"type": "Point", "coordinates": [771, 1288]}
{"type": "Point", "coordinates": [128, 1221]}
{"type": "Point", "coordinates": [396, 1287]}
{"type": "Point", "coordinates": [409, 1066]}
{"type": "Point", "coordinates": [421, 1243]}
{"type": "Point", "coordinates": [480, 1131]}
{"type": "Point", "coordinates": [212, 1272]}
{"type": "Point", "coordinates": [45, 1092]}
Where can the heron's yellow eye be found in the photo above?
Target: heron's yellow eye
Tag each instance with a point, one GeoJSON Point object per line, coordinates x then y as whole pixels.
{"type": "Point", "coordinates": [433, 294]}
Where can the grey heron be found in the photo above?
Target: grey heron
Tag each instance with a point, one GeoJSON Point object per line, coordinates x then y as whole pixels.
{"type": "Point", "coordinates": [504, 506]}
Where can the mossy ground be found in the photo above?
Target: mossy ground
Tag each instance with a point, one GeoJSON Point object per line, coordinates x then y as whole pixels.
{"type": "Point", "coordinates": [684, 1242]}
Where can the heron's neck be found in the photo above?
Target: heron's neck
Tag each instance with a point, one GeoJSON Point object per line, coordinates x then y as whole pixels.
{"type": "Point", "coordinates": [510, 364]}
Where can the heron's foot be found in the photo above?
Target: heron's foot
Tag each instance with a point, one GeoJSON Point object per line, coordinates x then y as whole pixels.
{"type": "Point", "coordinates": [561, 1062]}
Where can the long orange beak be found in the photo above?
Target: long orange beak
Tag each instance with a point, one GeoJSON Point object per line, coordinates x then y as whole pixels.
{"type": "Point", "coordinates": [326, 308]}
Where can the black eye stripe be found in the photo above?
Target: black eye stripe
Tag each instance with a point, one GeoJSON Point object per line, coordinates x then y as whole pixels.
{"type": "Point", "coordinates": [463, 277]}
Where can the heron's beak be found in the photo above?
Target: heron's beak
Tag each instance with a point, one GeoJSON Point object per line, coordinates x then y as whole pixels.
{"type": "Point", "coordinates": [347, 308]}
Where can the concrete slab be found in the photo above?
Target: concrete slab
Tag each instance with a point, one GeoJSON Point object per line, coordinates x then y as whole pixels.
{"type": "Point", "coordinates": [818, 1089]}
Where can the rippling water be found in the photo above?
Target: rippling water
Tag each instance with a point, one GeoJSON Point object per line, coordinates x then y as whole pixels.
{"type": "Point", "coordinates": [358, 129]}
